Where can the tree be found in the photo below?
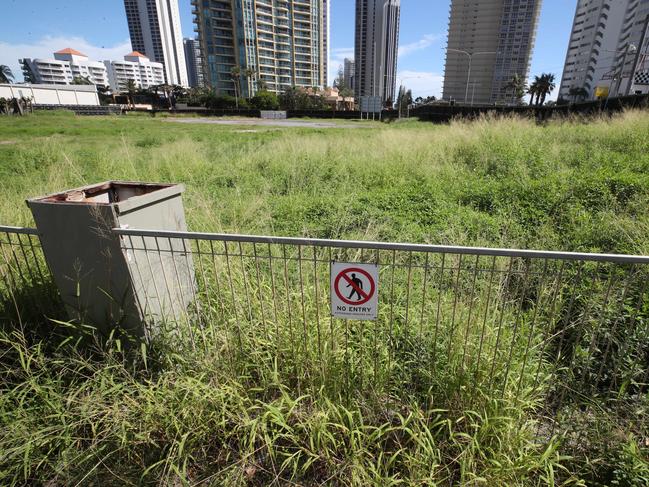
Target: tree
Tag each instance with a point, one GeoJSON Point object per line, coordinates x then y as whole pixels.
{"type": "Point", "coordinates": [546, 86]}
{"type": "Point", "coordinates": [288, 99]}
{"type": "Point", "coordinates": [265, 100]}
{"type": "Point", "coordinates": [81, 80]}
{"type": "Point", "coordinates": [103, 92]}
{"type": "Point", "coordinates": [339, 82]}
{"type": "Point", "coordinates": [129, 87]}
{"type": "Point", "coordinates": [249, 75]}
{"type": "Point", "coordinates": [219, 102]}
{"type": "Point", "coordinates": [533, 89]}
{"type": "Point", "coordinates": [6, 76]}
{"type": "Point", "coordinates": [578, 93]}
{"type": "Point", "coordinates": [235, 75]}
{"type": "Point", "coordinates": [517, 86]}
{"type": "Point", "coordinates": [424, 101]}
{"type": "Point", "coordinates": [346, 92]}
{"type": "Point", "coordinates": [404, 99]}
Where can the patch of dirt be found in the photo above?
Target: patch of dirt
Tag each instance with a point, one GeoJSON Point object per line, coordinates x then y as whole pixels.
{"type": "Point", "coordinates": [7, 142]}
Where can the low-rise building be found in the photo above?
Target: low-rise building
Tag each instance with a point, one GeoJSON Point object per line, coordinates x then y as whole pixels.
{"type": "Point", "coordinates": [135, 67]}
{"type": "Point", "coordinates": [66, 65]}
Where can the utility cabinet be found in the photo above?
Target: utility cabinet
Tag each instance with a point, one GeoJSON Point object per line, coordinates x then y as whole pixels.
{"type": "Point", "coordinates": [101, 283]}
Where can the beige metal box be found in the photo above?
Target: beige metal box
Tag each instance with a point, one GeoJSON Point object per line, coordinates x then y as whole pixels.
{"type": "Point", "coordinates": [97, 279]}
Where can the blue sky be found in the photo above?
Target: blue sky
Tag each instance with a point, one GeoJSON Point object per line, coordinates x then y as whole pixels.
{"type": "Point", "coordinates": [36, 28]}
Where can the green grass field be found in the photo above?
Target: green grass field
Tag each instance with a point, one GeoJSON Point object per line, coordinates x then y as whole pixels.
{"type": "Point", "coordinates": [77, 411]}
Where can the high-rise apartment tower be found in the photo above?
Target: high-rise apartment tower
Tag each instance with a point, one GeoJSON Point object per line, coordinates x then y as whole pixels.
{"type": "Point", "coordinates": [349, 74]}
{"type": "Point", "coordinates": [247, 45]}
{"type": "Point", "coordinates": [376, 48]}
{"type": "Point", "coordinates": [154, 26]}
{"type": "Point", "coordinates": [605, 48]}
{"type": "Point", "coordinates": [194, 62]}
{"type": "Point", "coordinates": [496, 38]}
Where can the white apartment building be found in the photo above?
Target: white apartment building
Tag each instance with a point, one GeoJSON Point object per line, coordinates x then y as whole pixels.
{"type": "Point", "coordinates": [154, 26]}
{"type": "Point", "coordinates": [607, 48]}
{"type": "Point", "coordinates": [135, 67]}
{"type": "Point", "coordinates": [489, 42]}
{"type": "Point", "coordinates": [67, 65]}
{"type": "Point", "coordinates": [631, 72]}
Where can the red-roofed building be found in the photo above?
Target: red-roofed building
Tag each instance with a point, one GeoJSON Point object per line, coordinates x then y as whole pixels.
{"type": "Point", "coordinates": [136, 67]}
{"type": "Point", "coordinates": [69, 50]}
{"type": "Point", "coordinates": [67, 65]}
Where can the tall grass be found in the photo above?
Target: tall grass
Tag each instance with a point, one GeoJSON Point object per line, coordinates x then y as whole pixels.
{"type": "Point", "coordinates": [76, 409]}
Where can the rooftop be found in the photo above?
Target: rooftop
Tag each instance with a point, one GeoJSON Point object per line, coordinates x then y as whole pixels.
{"type": "Point", "coordinates": [69, 50]}
{"type": "Point", "coordinates": [135, 54]}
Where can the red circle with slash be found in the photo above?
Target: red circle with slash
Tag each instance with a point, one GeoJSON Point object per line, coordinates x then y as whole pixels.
{"type": "Point", "coordinates": [343, 275]}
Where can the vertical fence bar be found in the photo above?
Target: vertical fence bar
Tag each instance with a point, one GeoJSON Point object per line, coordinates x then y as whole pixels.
{"type": "Point", "coordinates": [471, 301]}
{"type": "Point", "coordinates": [317, 312]}
{"type": "Point", "coordinates": [438, 314]}
{"type": "Point", "coordinates": [532, 326]}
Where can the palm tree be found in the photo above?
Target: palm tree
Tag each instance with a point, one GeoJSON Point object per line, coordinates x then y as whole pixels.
{"type": "Point", "coordinates": [261, 85]}
{"type": "Point", "coordinates": [250, 75]}
{"type": "Point", "coordinates": [235, 74]}
{"type": "Point", "coordinates": [578, 93]}
{"type": "Point", "coordinates": [6, 76]}
{"type": "Point", "coordinates": [533, 89]}
{"type": "Point", "coordinates": [546, 85]}
{"type": "Point", "coordinates": [130, 87]}
{"type": "Point", "coordinates": [81, 80]}
{"type": "Point", "coordinates": [517, 85]}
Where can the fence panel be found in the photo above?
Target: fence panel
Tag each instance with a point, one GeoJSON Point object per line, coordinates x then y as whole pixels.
{"type": "Point", "coordinates": [454, 324]}
{"type": "Point", "coordinates": [26, 290]}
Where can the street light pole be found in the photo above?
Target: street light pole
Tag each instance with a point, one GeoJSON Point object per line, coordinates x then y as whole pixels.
{"type": "Point", "coordinates": [468, 76]}
{"type": "Point", "coordinates": [400, 81]}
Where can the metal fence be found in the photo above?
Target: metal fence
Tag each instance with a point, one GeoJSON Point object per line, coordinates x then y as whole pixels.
{"type": "Point", "coordinates": [453, 322]}
{"type": "Point", "coordinates": [26, 289]}
{"type": "Point", "coordinates": [455, 325]}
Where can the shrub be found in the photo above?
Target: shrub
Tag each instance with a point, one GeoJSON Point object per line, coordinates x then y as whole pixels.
{"type": "Point", "coordinates": [219, 102]}
{"type": "Point", "coordinates": [265, 100]}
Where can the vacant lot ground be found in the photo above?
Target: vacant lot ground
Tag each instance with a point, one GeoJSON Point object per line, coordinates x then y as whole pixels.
{"type": "Point", "coordinates": [164, 415]}
{"type": "Point", "coordinates": [505, 183]}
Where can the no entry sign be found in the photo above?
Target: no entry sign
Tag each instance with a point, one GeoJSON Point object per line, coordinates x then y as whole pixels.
{"type": "Point", "coordinates": [354, 291]}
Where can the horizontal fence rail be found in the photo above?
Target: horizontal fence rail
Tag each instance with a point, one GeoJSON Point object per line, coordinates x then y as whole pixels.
{"type": "Point", "coordinates": [555, 327]}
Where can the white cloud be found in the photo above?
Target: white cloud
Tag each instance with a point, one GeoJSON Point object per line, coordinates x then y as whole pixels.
{"type": "Point", "coordinates": [46, 46]}
{"type": "Point", "coordinates": [336, 60]}
{"type": "Point", "coordinates": [421, 83]}
{"type": "Point", "coordinates": [423, 43]}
